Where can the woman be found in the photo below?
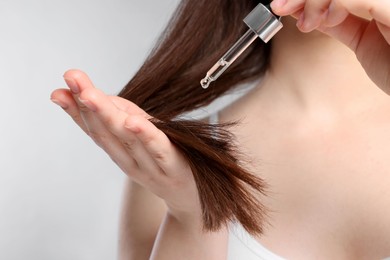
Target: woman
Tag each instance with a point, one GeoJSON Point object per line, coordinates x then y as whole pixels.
{"type": "Point", "coordinates": [316, 130]}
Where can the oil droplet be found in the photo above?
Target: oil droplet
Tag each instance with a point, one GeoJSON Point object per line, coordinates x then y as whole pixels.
{"type": "Point", "coordinates": [205, 83]}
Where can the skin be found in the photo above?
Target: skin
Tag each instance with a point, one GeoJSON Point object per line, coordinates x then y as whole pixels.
{"type": "Point", "coordinates": [328, 171]}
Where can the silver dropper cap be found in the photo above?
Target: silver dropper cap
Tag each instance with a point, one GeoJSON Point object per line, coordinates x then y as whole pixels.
{"type": "Point", "coordinates": [263, 22]}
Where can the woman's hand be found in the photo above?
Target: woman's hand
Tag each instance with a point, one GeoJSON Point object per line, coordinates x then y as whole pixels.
{"type": "Point", "coordinates": [363, 25]}
{"type": "Point", "coordinates": [124, 132]}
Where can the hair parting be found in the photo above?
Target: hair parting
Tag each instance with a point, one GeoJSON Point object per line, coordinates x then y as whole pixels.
{"type": "Point", "coordinates": [167, 85]}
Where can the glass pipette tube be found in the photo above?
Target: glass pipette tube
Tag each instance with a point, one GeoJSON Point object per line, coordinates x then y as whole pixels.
{"type": "Point", "coordinates": [230, 56]}
{"type": "Point", "coordinates": [262, 23]}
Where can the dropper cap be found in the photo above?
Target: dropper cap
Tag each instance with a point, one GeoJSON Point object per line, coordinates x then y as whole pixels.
{"type": "Point", "coordinates": [263, 22]}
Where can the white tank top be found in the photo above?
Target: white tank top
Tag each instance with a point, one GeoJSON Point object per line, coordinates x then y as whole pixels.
{"type": "Point", "coordinates": [242, 245]}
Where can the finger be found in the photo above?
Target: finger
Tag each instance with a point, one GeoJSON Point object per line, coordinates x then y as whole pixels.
{"type": "Point", "coordinates": [377, 9]}
{"type": "Point", "coordinates": [57, 96]}
{"type": "Point", "coordinates": [78, 82]}
{"type": "Point", "coordinates": [114, 147]}
{"type": "Point", "coordinates": [348, 32]}
{"type": "Point", "coordinates": [336, 14]}
{"type": "Point", "coordinates": [111, 145]}
{"type": "Point", "coordinates": [286, 7]}
{"type": "Point", "coordinates": [114, 121]}
{"type": "Point", "coordinates": [297, 14]}
{"type": "Point", "coordinates": [78, 79]}
{"type": "Point", "coordinates": [106, 133]}
{"type": "Point", "coordinates": [313, 15]}
{"type": "Point", "coordinates": [158, 145]}
{"type": "Point", "coordinates": [361, 35]}
{"type": "Point", "coordinates": [64, 98]}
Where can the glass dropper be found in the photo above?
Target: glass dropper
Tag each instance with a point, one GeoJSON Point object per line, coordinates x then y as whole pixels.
{"type": "Point", "coordinates": [262, 23]}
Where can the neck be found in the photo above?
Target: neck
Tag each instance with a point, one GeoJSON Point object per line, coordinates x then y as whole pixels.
{"type": "Point", "coordinates": [313, 72]}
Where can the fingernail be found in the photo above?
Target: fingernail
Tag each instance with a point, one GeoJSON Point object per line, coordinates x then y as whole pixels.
{"type": "Point", "coordinates": [59, 103]}
{"type": "Point", "coordinates": [278, 4]}
{"type": "Point", "coordinates": [72, 84]}
{"type": "Point", "coordinates": [88, 104]}
{"type": "Point", "coordinates": [331, 19]}
{"type": "Point", "coordinates": [308, 25]}
{"type": "Point", "coordinates": [331, 7]}
{"type": "Point", "coordinates": [301, 20]}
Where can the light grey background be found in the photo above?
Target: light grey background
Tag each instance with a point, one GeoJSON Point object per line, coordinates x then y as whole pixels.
{"type": "Point", "coordinates": [59, 193]}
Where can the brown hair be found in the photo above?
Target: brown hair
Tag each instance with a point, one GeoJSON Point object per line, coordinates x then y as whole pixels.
{"type": "Point", "coordinates": [167, 85]}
